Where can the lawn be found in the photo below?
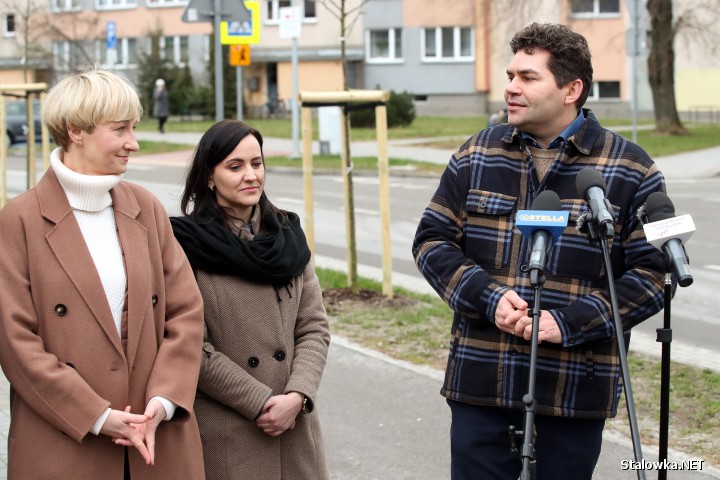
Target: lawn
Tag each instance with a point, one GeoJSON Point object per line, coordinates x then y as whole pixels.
{"type": "Point", "coordinates": [450, 132]}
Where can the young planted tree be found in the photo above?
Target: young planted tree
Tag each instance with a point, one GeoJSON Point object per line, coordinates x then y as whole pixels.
{"type": "Point", "coordinates": [31, 18]}
{"type": "Point", "coordinates": [80, 31]}
{"type": "Point", "coordinates": [347, 17]}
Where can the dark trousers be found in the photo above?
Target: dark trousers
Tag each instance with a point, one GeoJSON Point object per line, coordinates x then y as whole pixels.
{"type": "Point", "coordinates": [161, 124]}
{"type": "Point", "coordinates": [565, 448]}
{"type": "Point", "coordinates": [126, 476]}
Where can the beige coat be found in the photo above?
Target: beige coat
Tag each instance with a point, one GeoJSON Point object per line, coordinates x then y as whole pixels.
{"type": "Point", "coordinates": [260, 342]}
{"type": "Point", "coordinates": [61, 351]}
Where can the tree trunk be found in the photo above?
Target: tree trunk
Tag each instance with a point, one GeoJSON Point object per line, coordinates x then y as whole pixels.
{"type": "Point", "coordinates": [347, 166]}
{"type": "Point", "coordinates": [661, 67]}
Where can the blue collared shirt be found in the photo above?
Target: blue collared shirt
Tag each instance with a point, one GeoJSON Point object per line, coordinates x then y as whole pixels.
{"type": "Point", "coordinates": [569, 131]}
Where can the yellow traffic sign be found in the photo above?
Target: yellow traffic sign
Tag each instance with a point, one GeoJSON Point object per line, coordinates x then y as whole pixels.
{"type": "Point", "coordinates": [239, 55]}
{"type": "Point", "coordinates": [245, 32]}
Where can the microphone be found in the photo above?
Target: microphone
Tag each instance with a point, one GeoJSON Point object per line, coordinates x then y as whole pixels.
{"type": "Point", "coordinates": [542, 223]}
{"type": "Point", "coordinates": [591, 186]}
{"type": "Point", "coordinates": [667, 233]}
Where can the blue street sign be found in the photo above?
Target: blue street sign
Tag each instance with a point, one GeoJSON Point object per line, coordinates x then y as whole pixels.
{"type": "Point", "coordinates": [111, 35]}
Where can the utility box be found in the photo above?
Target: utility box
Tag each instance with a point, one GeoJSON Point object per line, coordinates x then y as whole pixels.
{"type": "Point", "coordinates": [329, 119]}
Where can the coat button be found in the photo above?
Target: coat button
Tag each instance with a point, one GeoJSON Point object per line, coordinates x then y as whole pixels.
{"type": "Point", "coordinates": [512, 351]}
{"type": "Point", "coordinates": [279, 355]}
{"type": "Point", "coordinates": [60, 310]}
{"type": "Point", "coordinates": [154, 300]}
{"type": "Point", "coordinates": [253, 362]}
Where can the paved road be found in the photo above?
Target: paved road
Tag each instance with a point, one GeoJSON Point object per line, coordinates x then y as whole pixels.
{"type": "Point", "coordinates": [385, 419]}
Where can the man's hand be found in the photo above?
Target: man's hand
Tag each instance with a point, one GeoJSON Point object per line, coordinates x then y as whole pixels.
{"type": "Point", "coordinates": [279, 413]}
{"type": "Point", "coordinates": [510, 309]}
{"type": "Point", "coordinates": [124, 429]}
{"type": "Point", "coordinates": [548, 330]}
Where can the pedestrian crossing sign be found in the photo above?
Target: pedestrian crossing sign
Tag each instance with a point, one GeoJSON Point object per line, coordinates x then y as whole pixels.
{"type": "Point", "coordinates": [245, 32]}
{"type": "Point", "coordinates": [239, 55]}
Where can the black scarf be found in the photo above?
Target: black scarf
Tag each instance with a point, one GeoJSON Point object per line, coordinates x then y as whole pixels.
{"type": "Point", "coordinates": [274, 256]}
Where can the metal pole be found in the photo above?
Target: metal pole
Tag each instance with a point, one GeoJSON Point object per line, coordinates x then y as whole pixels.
{"type": "Point", "coordinates": [636, 49]}
{"type": "Point", "coordinates": [219, 100]}
{"type": "Point", "coordinates": [294, 100]}
{"type": "Point", "coordinates": [239, 92]}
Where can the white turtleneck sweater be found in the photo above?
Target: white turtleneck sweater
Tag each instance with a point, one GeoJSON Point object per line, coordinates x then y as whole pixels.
{"type": "Point", "coordinates": [91, 203]}
{"type": "Point", "coordinates": [89, 198]}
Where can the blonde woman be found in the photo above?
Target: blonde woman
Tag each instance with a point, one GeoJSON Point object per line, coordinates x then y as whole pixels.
{"type": "Point", "coordinates": [100, 317]}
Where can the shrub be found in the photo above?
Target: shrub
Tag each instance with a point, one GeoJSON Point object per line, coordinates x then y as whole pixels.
{"type": "Point", "coordinates": [400, 112]}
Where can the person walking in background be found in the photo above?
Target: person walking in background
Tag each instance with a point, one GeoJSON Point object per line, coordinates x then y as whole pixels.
{"type": "Point", "coordinates": [469, 250]}
{"type": "Point", "coordinates": [266, 330]}
{"type": "Point", "coordinates": [161, 104]}
{"type": "Point", "coordinates": [100, 316]}
{"type": "Point", "coordinates": [501, 116]}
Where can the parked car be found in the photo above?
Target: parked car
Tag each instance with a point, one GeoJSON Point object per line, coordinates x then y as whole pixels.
{"type": "Point", "coordinates": [17, 127]}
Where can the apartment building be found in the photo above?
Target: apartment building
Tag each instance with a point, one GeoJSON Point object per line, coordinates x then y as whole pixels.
{"type": "Point", "coordinates": [433, 50]}
{"type": "Point", "coordinates": [76, 32]}
{"type": "Point", "coordinates": [452, 56]}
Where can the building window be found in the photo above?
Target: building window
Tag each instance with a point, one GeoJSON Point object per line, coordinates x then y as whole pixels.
{"type": "Point", "coordinates": [69, 55]}
{"type": "Point", "coordinates": [274, 6]}
{"type": "Point", "coordinates": [384, 45]}
{"type": "Point", "coordinates": [115, 4]}
{"type": "Point", "coordinates": [175, 49]}
{"type": "Point", "coordinates": [166, 3]}
{"type": "Point", "coordinates": [65, 5]}
{"type": "Point", "coordinates": [447, 44]}
{"type": "Point", "coordinates": [9, 25]}
{"type": "Point", "coordinates": [125, 54]}
{"type": "Point", "coordinates": [604, 91]}
{"type": "Point", "coordinates": [595, 8]}
{"type": "Point", "coordinates": [130, 51]}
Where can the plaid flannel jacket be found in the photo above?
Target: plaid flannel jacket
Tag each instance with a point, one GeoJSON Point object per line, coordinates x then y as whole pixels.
{"type": "Point", "coordinates": [469, 250]}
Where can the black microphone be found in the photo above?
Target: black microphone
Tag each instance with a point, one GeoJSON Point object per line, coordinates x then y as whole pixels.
{"type": "Point", "coordinates": [591, 186]}
{"type": "Point", "coordinates": [658, 208]}
{"type": "Point", "coordinates": [541, 238]}
{"type": "Point", "coordinates": [543, 222]}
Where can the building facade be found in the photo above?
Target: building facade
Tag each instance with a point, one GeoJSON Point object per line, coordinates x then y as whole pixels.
{"type": "Point", "coordinates": [451, 56]}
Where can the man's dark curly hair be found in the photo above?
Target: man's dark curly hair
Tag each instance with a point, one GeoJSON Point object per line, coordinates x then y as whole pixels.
{"type": "Point", "coordinates": [569, 53]}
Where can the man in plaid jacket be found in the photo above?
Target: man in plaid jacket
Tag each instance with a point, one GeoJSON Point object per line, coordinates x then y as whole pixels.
{"type": "Point", "coordinates": [469, 250]}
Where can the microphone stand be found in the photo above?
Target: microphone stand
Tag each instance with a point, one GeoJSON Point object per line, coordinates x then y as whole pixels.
{"type": "Point", "coordinates": [537, 280]}
{"type": "Point", "coordinates": [594, 236]}
{"type": "Point", "coordinates": [664, 336]}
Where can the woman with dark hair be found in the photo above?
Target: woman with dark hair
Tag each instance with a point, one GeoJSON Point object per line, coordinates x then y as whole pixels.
{"type": "Point", "coordinates": [266, 331]}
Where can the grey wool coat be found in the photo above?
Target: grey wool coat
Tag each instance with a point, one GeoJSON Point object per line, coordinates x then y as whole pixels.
{"type": "Point", "coordinates": [260, 341]}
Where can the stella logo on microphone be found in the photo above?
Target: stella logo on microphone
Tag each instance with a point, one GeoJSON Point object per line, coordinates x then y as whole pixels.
{"type": "Point", "coordinates": [553, 221]}
{"type": "Point", "coordinates": [536, 217]}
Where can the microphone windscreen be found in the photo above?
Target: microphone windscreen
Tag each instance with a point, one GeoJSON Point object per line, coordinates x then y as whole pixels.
{"type": "Point", "coordinates": [546, 200]}
{"type": "Point", "coordinates": [659, 207]}
{"type": "Point", "coordinates": [586, 178]}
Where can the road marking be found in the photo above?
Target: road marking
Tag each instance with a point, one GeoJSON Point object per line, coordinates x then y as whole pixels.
{"type": "Point", "coordinates": [713, 267]}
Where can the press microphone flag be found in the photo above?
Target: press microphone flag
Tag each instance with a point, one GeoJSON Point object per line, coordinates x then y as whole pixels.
{"type": "Point", "coordinates": [543, 222]}
{"type": "Point", "coordinates": [668, 233]}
